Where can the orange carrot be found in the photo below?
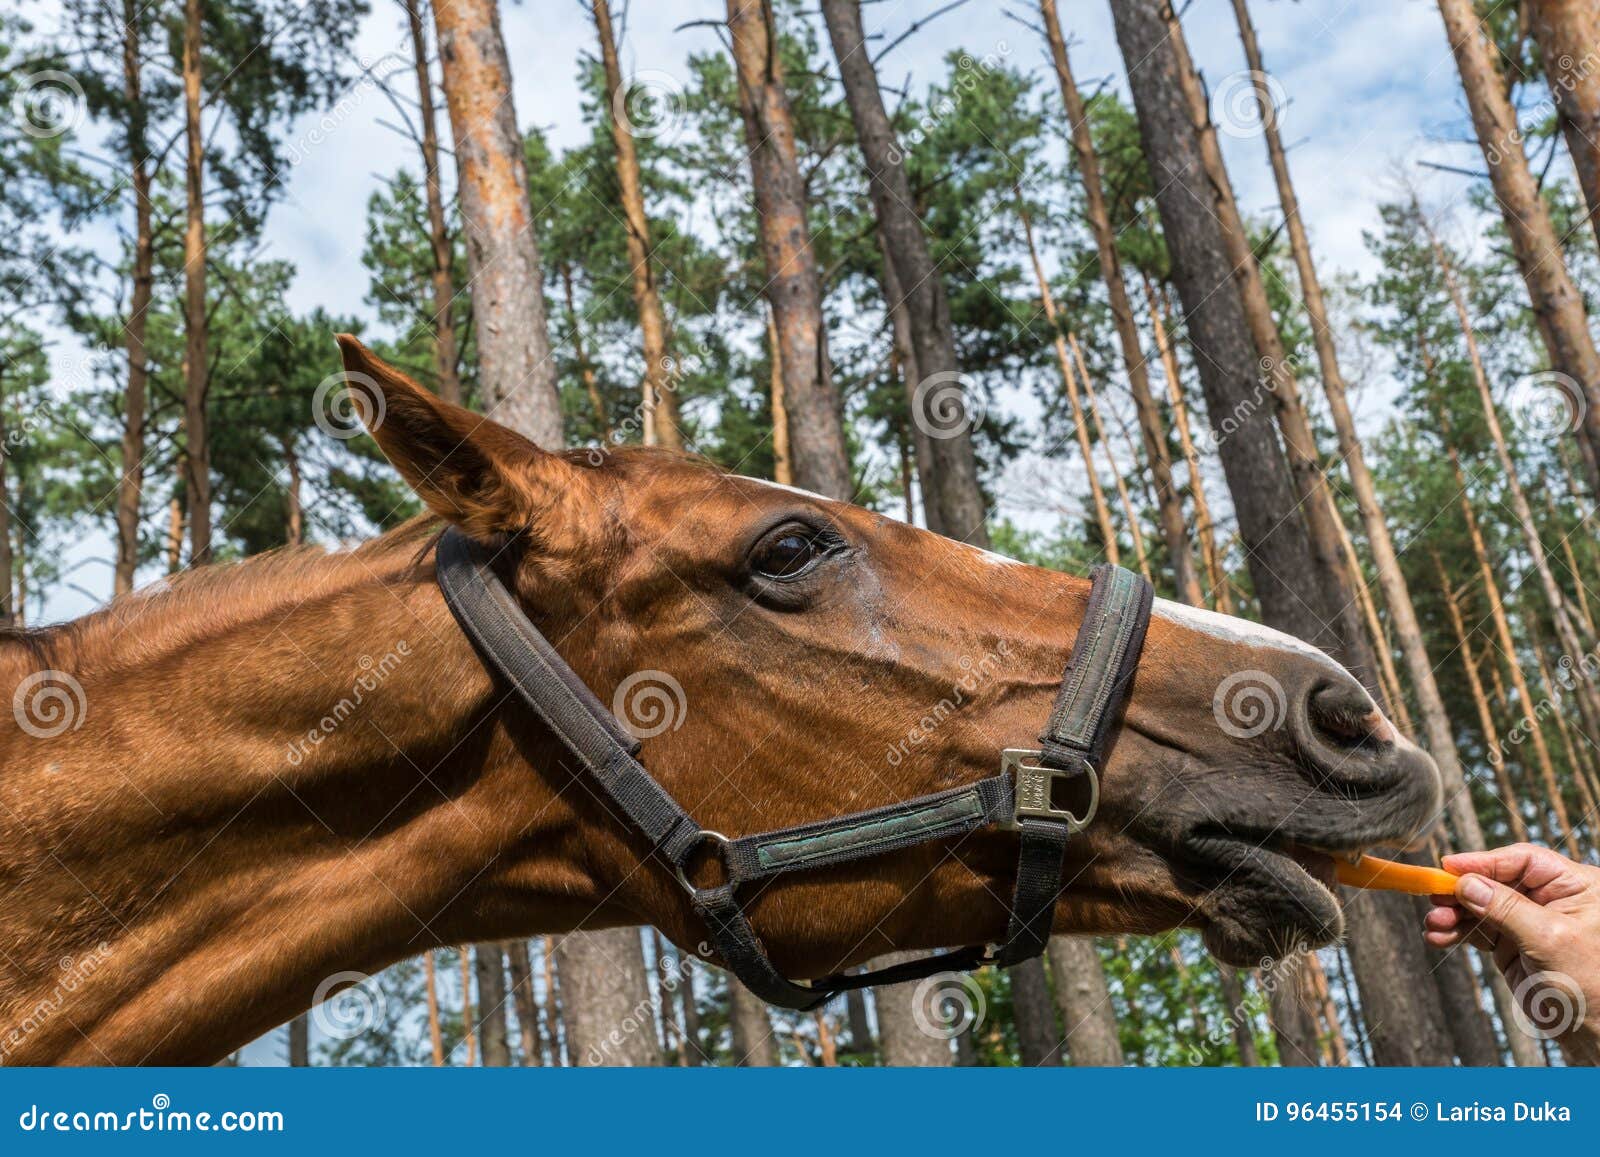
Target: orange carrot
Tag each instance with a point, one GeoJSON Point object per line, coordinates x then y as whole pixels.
{"type": "Point", "coordinates": [1389, 876]}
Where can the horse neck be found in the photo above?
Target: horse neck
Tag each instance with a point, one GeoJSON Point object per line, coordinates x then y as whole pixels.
{"type": "Point", "coordinates": [252, 796]}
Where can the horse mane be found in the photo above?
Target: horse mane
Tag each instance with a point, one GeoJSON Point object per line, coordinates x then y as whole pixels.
{"type": "Point", "coordinates": [184, 608]}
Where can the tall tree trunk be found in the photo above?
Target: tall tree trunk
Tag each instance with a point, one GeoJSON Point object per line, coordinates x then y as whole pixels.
{"type": "Point", "coordinates": [782, 461]}
{"type": "Point", "coordinates": [430, 982]}
{"type": "Point", "coordinates": [1170, 507]}
{"type": "Point", "coordinates": [1508, 647]}
{"type": "Point", "coordinates": [1129, 514]}
{"type": "Point", "coordinates": [1567, 631]}
{"type": "Point", "coordinates": [1588, 808]}
{"type": "Point", "coordinates": [793, 285]}
{"type": "Point", "coordinates": [855, 1010]}
{"type": "Point", "coordinates": [903, 1032]}
{"type": "Point", "coordinates": [1393, 691]}
{"type": "Point", "coordinates": [591, 384]}
{"type": "Point", "coordinates": [300, 1041]}
{"type": "Point", "coordinates": [906, 362]}
{"type": "Point", "coordinates": [1088, 1018]}
{"type": "Point", "coordinates": [1333, 1033]}
{"type": "Point", "coordinates": [1391, 579]}
{"type": "Point", "coordinates": [1039, 1042]}
{"type": "Point", "coordinates": [940, 391]}
{"type": "Point", "coordinates": [175, 526]}
{"type": "Point", "coordinates": [444, 289]}
{"type": "Point", "coordinates": [196, 368]}
{"type": "Point", "coordinates": [605, 989]}
{"type": "Point", "coordinates": [694, 1052]}
{"type": "Point", "coordinates": [294, 511]}
{"type": "Point", "coordinates": [754, 1045]}
{"type": "Point", "coordinates": [1510, 799]}
{"type": "Point", "coordinates": [517, 373]}
{"type": "Point", "coordinates": [1277, 545]}
{"type": "Point", "coordinates": [1238, 1013]}
{"type": "Point", "coordinates": [1080, 423]}
{"type": "Point", "coordinates": [1339, 605]}
{"type": "Point", "coordinates": [1294, 1023]}
{"type": "Point", "coordinates": [1568, 33]}
{"type": "Point", "coordinates": [9, 606]}
{"type": "Point", "coordinates": [1205, 528]}
{"type": "Point", "coordinates": [525, 1001]}
{"type": "Point", "coordinates": [1557, 305]}
{"type": "Point", "coordinates": [554, 1022]}
{"type": "Point", "coordinates": [660, 402]}
{"type": "Point", "coordinates": [469, 1032]}
{"type": "Point", "coordinates": [130, 482]}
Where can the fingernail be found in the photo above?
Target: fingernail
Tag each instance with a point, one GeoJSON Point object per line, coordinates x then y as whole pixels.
{"type": "Point", "coordinates": [1475, 891]}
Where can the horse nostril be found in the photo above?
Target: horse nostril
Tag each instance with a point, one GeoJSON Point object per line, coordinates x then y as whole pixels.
{"type": "Point", "coordinates": [1345, 715]}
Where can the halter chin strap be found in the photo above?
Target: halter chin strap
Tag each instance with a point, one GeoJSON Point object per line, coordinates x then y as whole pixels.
{"type": "Point", "coordinates": [1046, 795]}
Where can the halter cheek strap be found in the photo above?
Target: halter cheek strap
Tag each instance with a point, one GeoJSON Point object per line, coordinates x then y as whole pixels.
{"type": "Point", "coordinates": [1045, 795]}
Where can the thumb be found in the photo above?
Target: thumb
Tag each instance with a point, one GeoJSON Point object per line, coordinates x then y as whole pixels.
{"type": "Point", "coordinates": [1502, 909]}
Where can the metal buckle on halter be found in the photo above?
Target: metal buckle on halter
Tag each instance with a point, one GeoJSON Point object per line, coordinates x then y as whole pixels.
{"type": "Point", "coordinates": [705, 836]}
{"type": "Point", "coordinates": [1035, 784]}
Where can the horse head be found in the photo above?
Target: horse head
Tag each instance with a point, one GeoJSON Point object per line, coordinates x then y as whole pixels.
{"type": "Point", "coordinates": [786, 658]}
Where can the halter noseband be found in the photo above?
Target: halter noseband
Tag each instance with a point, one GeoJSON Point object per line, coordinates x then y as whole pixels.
{"type": "Point", "coordinates": [1021, 798]}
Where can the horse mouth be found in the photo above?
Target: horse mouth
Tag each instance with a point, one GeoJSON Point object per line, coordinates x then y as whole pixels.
{"type": "Point", "coordinates": [1263, 899]}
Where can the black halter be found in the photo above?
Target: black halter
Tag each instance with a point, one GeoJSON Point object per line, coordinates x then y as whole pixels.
{"type": "Point", "coordinates": [1044, 795]}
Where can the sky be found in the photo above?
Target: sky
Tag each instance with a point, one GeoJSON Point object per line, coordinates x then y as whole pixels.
{"type": "Point", "coordinates": [1367, 88]}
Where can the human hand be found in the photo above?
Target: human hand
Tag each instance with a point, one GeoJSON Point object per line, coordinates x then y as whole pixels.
{"type": "Point", "coordinates": [1538, 914]}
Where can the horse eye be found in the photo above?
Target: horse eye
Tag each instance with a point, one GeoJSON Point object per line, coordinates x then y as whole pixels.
{"type": "Point", "coordinates": [789, 554]}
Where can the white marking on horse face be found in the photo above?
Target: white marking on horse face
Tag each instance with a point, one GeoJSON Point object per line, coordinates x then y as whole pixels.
{"type": "Point", "coordinates": [989, 557]}
{"type": "Point", "coordinates": [1233, 630]}
{"type": "Point", "coordinates": [784, 486]}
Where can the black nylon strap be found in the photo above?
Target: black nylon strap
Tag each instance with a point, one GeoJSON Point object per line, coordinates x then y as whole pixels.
{"type": "Point", "coordinates": [870, 833]}
{"type": "Point", "coordinates": [1033, 901]}
{"type": "Point", "coordinates": [1104, 658]}
{"type": "Point", "coordinates": [514, 647]}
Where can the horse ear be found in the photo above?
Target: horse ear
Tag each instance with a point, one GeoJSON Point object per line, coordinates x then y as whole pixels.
{"type": "Point", "coordinates": [469, 470]}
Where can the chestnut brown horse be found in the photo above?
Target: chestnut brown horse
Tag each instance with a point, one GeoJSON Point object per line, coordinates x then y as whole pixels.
{"type": "Point", "coordinates": [221, 791]}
